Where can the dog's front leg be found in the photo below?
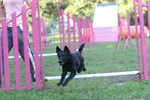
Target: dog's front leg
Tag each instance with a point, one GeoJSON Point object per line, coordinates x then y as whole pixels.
{"type": "Point", "coordinates": [69, 78]}
{"type": "Point", "coordinates": [63, 75]}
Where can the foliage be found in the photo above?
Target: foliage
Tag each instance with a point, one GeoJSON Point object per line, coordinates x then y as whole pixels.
{"type": "Point", "coordinates": [86, 8]}
{"type": "Point", "coordinates": [79, 8]}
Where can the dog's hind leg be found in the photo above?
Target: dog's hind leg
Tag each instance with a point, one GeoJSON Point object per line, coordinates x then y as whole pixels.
{"type": "Point", "coordinates": [69, 78]}
{"type": "Point", "coordinates": [64, 73]}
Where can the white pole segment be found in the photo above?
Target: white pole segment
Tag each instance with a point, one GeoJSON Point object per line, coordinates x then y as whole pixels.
{"type": "Point", "coordinates": [96, 75]}
{"type": "Point", "coordinates": [44, 55]}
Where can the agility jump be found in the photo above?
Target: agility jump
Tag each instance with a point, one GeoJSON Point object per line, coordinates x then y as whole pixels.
{"type": "Point", "coordinates": [36, 33]}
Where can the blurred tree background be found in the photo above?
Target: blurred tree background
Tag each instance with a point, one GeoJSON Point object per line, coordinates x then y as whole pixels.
{"type": "Point", "coordinates": [49, 8]}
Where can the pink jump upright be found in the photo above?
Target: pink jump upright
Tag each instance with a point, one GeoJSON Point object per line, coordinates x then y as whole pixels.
{"type": "Point", "coordinates": [143, 41]}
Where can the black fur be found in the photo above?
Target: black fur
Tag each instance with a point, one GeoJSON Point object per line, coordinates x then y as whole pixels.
{"type": "Point", "coordinates": [70, 62]}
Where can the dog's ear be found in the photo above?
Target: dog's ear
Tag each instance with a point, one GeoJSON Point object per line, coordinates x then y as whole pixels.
{"type": "Point", "coordinates": [66, 49]}
{"type": "Point", "coordinates": [58, 49]}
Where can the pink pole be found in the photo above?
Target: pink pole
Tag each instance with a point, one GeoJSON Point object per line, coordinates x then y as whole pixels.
{"type": "Point", "coordinates": [83, 34]}
{"type": "Point", "coordinates": [74, 32]}
{"type": "Point", "coordinates": [35, 44]}
{"type": "Point", "coordinates": [16, 59]}
{"type": "Point", "coordinates": [137, 38]}
{"type": "Point", "coordinates": [128, 19]}
{"type": "Point", "coordinates": [143, 42]}
{"type": "Point", "coordinates": [86, 34]}
{"type": "Point", "coordinates": [5, 49]}
{"type": "Point", "coordinates": [129, 35]}
{"type": "Point", "coordinates": [1, 66]}
{"type": "Point", "coordinates": [63, 27]}
{"type": "Point", "coordinates": [89, 28]}
{"type": "Point", "coordinates": [26, 49]}
{"type": "Point", "coordinates": [79, 31]}
{"type": "Point", "coordinates": [1, 52]}
{"type": "Point", "coordinates": [121, 36]}
{"type": "Point", "coordinates": [41, 52]}
{"type": "Point", "coordinates": [69, 38]}
{"type": "Point", "coordinates": [93, 39]}
{"type": "Point", "coordinates": [59, 22]}
{"type": "Point", "coordinates": [148, 16]}
{"type": "Point", "coordinates": [120, 24]}
{"type": "Point", "coordinates": [1, 15]}
{"type": "Point", "coordinates": [43, 33]}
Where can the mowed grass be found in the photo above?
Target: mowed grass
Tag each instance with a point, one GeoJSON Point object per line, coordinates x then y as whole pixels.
{"type": "Point", "coordinates": [101, 58]}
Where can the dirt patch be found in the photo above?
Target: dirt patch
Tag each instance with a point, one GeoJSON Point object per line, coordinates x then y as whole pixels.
{"type": "Point", "coordinates": [119, 80]}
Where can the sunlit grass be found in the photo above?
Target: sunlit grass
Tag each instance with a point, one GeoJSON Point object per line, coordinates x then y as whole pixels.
{"type": "Point", "coordinates": [102, 58]}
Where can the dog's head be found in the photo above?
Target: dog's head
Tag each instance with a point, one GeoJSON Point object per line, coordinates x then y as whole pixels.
{"type": "Point", "coordinates": [63, 55]}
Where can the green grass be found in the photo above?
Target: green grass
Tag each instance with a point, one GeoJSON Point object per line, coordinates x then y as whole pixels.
{"type": "Point", "coordinates": [102, 58]}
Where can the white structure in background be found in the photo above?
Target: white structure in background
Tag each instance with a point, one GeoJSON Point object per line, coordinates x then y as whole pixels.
{"type": "Point", "coordinates": [105, 22]}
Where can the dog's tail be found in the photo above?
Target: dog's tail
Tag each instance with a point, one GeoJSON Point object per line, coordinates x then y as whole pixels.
{"type": "Point", "coordinates": [81, 47]}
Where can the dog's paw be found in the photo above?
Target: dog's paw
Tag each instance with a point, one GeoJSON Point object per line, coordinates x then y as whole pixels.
{"type": "Point", "coordinates": [64, 85]}
{"type": "Point", "coordinates": [58, 84]}
{"type": "Point", "coordinates": [84, 69]}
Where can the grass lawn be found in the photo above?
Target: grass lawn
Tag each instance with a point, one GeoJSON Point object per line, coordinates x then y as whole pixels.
{"type": "Point", "coordinates": [102, 58]}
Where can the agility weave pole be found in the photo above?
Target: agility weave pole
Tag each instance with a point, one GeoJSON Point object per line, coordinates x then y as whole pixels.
{"type": "Point", "coordinates": [83, 25]}
{"type": "Point", "coordinates": [36, 47]}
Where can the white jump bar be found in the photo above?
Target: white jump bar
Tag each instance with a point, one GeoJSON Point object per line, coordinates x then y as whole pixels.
{"type": "Point", "coordinates": [44, 55]}
{"type": "Point", "coordinates": [96, 75]}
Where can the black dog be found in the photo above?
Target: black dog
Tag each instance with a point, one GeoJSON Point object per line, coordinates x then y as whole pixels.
{"type": "Point", "coordinates": [70, 62]}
